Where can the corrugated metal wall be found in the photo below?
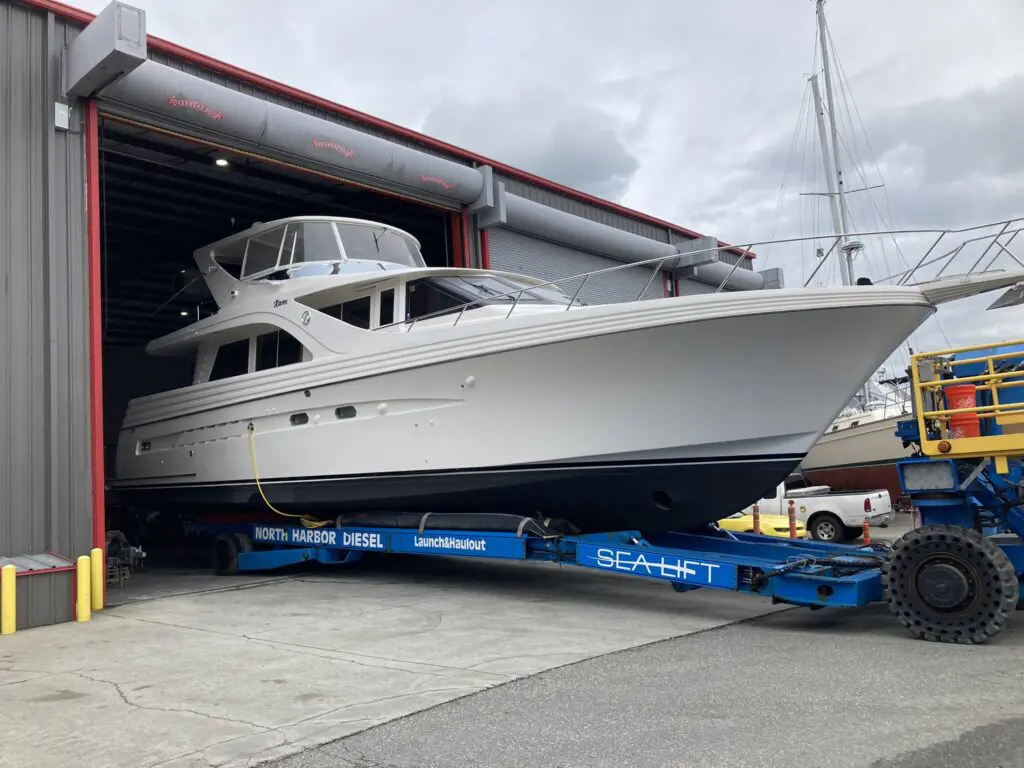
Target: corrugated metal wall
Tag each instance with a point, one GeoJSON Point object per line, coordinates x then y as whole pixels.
{"type": "Point", "coordinates": [45, 492]}
{"type": "Point", "coordinates": [515, 252]}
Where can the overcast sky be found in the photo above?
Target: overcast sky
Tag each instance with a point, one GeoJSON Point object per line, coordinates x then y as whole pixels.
{"type": "Point", "coordinates": [682, 109]}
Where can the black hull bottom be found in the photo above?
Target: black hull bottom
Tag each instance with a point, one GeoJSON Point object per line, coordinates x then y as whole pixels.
{"type": "Point", "coordinates": [648, 496]}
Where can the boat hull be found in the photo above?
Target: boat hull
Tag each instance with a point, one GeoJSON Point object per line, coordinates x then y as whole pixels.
{"type": "Point", "coordinates": [653, 428]}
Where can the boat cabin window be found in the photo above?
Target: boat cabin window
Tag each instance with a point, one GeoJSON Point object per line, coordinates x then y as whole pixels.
{"type": "Point", "coordinates": [258, 353]}
{"type": "Point", "coordinates": [232, 360]}
{"type": "Point", "coordinates": [277, 348]}
{"type": "Point", "coordinates": [386, 314]}
{"type": "Point", "coordinates": [357, 312]}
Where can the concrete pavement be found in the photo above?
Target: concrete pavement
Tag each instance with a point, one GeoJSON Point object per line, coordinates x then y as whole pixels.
{"type": "Point", "coordinates": [834, 688]}
{"type": "Point", "coordinates": [239, 670]}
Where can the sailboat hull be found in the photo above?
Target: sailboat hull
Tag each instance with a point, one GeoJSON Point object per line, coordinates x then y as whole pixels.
{"type": "Point", "coordinates": [858, 458]}
{"type": "Point", "coordinates": [658, 427]}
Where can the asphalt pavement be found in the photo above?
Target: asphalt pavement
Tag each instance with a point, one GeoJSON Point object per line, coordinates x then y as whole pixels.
{"type": "Point", "coordinates": [812, 688]}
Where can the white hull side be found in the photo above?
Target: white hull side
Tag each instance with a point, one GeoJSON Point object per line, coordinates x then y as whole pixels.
{"type": "Point", "coordinates": [688, 389]}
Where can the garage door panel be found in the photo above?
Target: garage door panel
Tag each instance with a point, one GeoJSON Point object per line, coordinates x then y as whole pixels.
{"type": "Point", "coordinates": [513, 251]}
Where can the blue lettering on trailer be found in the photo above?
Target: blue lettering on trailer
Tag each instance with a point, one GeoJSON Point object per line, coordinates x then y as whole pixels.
{"type": "Point", "coordinates": [658, 565]}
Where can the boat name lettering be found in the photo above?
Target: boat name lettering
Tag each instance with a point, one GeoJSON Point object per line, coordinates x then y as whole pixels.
{"type": "Point", "coordinates": [264, 533]}
{"type": "Point", "coordinates": [655, 565]}
{"type": "Point", "coordinates": [280, 302]}
{"type": "Point", "coordinates": [450, 542]}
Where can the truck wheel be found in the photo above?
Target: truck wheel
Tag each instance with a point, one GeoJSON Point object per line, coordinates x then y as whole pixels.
{"type": "Point", "coordinates": [853, 534]}
{"type": "Point", "coordinates": [949, 584]}
{"type": "Point", "coordinates": [827, 527]}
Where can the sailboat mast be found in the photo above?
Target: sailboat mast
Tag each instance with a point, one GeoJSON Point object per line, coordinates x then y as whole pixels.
{"type": "Point", "coordinates": [830, 180]}
{"type": "Point", "coordinates": [827, 71]}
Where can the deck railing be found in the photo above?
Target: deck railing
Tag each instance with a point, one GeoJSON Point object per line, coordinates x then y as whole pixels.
{"type": "Point", "coordinates": [940, 419]}
{"type": "Point", "coordinates": [965, 242]}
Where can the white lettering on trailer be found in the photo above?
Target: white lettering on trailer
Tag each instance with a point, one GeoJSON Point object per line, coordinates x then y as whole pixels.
{"type": "Point", "coordinates": [314, 536]}
{"type": "Point", "coordinates": [266, 533]}
{"type": "Point", "coordinates": [361, 540]}
{"type": "Point", "coordinates": [654, 565]}
{"type": "Point", "coordinates": [449, 542]}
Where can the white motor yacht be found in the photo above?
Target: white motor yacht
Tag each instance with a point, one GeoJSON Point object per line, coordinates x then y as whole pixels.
{"type": "Point", "coordinates": [341, 374]}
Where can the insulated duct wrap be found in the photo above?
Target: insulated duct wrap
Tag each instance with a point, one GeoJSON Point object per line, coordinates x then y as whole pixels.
{"type": "Point", "coordinates": [271, 128]}
{"type": "Point", "coordinates": [544, 221]}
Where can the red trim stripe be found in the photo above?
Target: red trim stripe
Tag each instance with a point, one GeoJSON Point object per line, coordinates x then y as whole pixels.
{"type": "Point", "coordinates": [485, 250]}
{"type": "Point", "coordinates": [172, 49]}
{"type": "Point", "coordinates": [92, 175]}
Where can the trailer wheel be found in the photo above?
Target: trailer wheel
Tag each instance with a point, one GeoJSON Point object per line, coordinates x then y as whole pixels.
{"type": "Point", "coordinates": [827, 527]}
{"type": "Point", "coordinates": [226, 548]}
{"type": "Point", "coordinates": [949, 584]}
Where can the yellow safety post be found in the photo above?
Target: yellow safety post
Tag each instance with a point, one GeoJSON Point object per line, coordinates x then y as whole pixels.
{"type": "Point", "coordinates": [96, 562]}
{"type": "Point", "coordinates": [84, 581]}
{"type": "Point", "coordinates": [8, 595]}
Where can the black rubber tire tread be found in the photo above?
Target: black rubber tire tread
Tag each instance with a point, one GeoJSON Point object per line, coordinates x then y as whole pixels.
{"type": "Point", "coordinates": [984, 619]}
{"type": "Point", "coordinates": [853, 533]}
{"type": "Point", "coordinates": [225, 554]}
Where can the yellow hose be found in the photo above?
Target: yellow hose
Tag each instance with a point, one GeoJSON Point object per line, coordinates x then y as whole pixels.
{"type": "Point", "coordinates": [306, 520]}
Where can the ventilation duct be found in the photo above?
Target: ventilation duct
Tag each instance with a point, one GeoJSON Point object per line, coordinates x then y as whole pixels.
{"type": "Point", "coordinates": [271, 128]}
{"type": "Point", "coordinates": [551, 224]}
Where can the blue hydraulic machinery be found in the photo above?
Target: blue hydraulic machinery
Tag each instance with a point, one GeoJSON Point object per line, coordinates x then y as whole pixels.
{"type": "Point", "coordinates": [956, 578]}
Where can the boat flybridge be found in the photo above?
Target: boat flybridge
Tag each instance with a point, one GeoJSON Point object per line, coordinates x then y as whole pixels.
{"type": "Point", "coordinates": [342, 375]}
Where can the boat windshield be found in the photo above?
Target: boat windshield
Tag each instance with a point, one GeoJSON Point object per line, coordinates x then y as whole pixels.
{"type": "Point", "coordinates": [374, 243]}
{"type": "Point", "coordinates": [435, 296]}
{"type": "Point", "coordinates": [324, 243]}
{"type": "Point", "coordinates": [500, 289]}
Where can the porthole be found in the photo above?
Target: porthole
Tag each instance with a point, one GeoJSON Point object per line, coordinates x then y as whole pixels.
{"type": "Point", "coordinates": [345, 412]}
{"type": "Point", "coordinates": [298, 419]}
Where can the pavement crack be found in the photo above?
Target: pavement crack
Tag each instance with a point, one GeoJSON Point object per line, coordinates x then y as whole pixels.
{"type": "Point", "coordinates": [186, 710]}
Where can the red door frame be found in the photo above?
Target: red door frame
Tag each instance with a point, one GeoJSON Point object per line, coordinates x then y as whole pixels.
{"type": "Point", "coordinates": [92, 209]}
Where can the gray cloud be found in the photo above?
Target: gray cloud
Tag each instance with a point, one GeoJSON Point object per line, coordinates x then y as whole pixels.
{"type": "Point", "coordinates": [573, 144]}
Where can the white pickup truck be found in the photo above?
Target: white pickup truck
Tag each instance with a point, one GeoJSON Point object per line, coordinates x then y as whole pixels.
{"type": "Point", "coordinates": [833, 517]}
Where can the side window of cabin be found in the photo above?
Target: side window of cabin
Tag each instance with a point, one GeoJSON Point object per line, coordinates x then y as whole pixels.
{"type": "Point", "coordinates": [387, 307]}
{"type": "Point", "coordinates": [232, 360]}
{"type": "Point", "coordinates": [357, 312]}
{"type": "Point", "coordinates": [425, 298]}
{"type": "Point", "coordinates": [276, 349]}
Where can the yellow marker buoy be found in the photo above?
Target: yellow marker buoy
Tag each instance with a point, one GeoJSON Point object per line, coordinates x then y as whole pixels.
{"type": "Point", "coordinates": [8, 596]}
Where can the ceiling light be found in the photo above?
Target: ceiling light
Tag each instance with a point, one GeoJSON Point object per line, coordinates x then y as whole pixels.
{"type": "Point", "coordinates": [184, 313]}
{"type": "Point", "coordinates": [222, 162]}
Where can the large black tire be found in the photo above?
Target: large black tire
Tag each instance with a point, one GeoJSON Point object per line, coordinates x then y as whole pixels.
{"type": "Point", "coordinates": [226, 548]}
{"type": "Point", "coordinates": [949, 584]}
{"type": "Point", "coordinates": [825, 526]}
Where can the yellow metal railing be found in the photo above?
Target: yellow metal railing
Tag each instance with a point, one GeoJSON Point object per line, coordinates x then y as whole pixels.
{"type": "Point", "coordinates": [931, 390]}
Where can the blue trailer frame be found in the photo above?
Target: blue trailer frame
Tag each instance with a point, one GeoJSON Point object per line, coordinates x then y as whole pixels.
{"type": "Point", "coordinates": [797, 571]}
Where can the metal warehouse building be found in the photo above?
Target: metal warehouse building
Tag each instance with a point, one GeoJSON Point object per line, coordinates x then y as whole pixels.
{"type": "Point", "coordinates": [122, 153]}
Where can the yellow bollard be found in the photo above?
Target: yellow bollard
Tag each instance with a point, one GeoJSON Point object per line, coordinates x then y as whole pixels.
{"type": "Point", "coordinates": [84, 581]}
{"type": "Point", "coordinates": [98, 569]}
{"type": "Point", "coordinates": [8, 595]}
